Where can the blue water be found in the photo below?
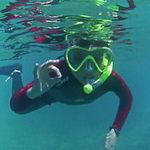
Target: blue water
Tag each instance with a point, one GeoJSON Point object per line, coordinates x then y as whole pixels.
{"type": "Point", "coordinates": [63, 127]}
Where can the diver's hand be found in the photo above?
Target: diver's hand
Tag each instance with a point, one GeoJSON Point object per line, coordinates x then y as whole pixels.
{"type": "Point", "coordinates": [111, 138]}
{"type": "Point", "coordinates": [46, 76]}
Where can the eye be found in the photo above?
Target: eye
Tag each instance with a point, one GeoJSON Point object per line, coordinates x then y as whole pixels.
{"type": "Point", "coordinates": [78, 56]}
{"type": "Point", "coordinates": [81, 57]}
{"type": "Point", "coordinates": [98, 56]}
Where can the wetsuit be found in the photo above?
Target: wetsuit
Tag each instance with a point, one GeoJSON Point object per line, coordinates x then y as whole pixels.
{"type": "Point", "coordinates": [70, 91]}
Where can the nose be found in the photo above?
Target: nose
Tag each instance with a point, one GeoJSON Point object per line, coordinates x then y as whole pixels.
{"type": "Point", "coordinates": [89, 66]}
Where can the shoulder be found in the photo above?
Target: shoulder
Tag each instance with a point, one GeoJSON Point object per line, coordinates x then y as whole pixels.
{"type": "Point", "coordinates": [114, 81]}
{"type": "Point", "coordinates": [117, 80]}
{"type": "Point", "coordinates": [116, 76]}
{"type": "Point", "coordinates": [119, 85]}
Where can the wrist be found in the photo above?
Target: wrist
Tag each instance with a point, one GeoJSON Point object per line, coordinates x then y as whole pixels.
{"type": "Point", "coordinates": [33, 93]}
{"type": "Point", "coordinates": [116, 131]}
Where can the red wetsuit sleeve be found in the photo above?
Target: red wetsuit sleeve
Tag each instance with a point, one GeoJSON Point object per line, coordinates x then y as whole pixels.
{"type": "Point", "coordinates": [125, 96]}
{"type": "Point", "coordinates": [21, 103]}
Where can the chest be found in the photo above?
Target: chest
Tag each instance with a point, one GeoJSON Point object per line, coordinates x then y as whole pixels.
{"type": "Point", "coordinates": [71, 92]}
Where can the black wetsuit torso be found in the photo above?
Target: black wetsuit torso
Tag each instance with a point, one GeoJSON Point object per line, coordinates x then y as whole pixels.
{"type": "Point", "coordinates": [70, 91]}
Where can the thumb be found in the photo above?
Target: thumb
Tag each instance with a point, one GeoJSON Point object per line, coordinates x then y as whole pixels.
{"type": "Point", "coordinates": [36, 71]}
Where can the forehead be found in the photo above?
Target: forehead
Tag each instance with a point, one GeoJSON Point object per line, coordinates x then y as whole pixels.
{"type": "Point", "coordinates": [88, 43]}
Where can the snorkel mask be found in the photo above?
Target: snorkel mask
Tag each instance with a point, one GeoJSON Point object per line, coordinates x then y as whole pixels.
{"type": "Point", "coordinates": [101, 57]}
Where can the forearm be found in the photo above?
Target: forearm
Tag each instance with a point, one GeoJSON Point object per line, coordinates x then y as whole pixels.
{"type": "Point", "coordinates": [125, 103]}
{"type": "Point", "coordinates": [21, 103]}
{"type": "Point", "coordinates": [123, 111]}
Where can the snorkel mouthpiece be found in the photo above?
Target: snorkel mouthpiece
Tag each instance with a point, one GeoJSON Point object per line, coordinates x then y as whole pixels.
{"type": "Point", "coordinates": [88, 88]}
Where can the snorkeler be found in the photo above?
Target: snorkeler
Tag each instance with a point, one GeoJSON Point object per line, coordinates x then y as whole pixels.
{"type": "Point", "coordinates": [81, 76]}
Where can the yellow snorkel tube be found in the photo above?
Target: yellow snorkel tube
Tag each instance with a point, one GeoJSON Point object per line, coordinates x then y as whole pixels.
{"type": "Point", "coordinates": [88, 88]}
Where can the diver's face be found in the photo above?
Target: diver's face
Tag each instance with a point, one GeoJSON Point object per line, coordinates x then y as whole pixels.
{"type": "Point", "coordinates": [88, 73]}
{"type": "Point", "coordinates": [86, 61]}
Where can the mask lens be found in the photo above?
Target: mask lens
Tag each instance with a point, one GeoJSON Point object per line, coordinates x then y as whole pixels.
{"type": "Point", "coordinates": [98, 57]}
{"type": "Point", "coordinates": [76, 57]}
{"type": "Point", "coordinates": [102, 57]}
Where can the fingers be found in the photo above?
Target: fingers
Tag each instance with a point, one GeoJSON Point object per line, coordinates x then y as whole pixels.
{"type": "Point", "coordinates": [46, 75]}
{"type": "Point", "coordinates": [45, 67]}
{"type": "Point", "coordinates": [46, 70]}
{"type": "Point", "coordinates": [54, 72]}
{"type": "Point", "coordinates": [49, 62]}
